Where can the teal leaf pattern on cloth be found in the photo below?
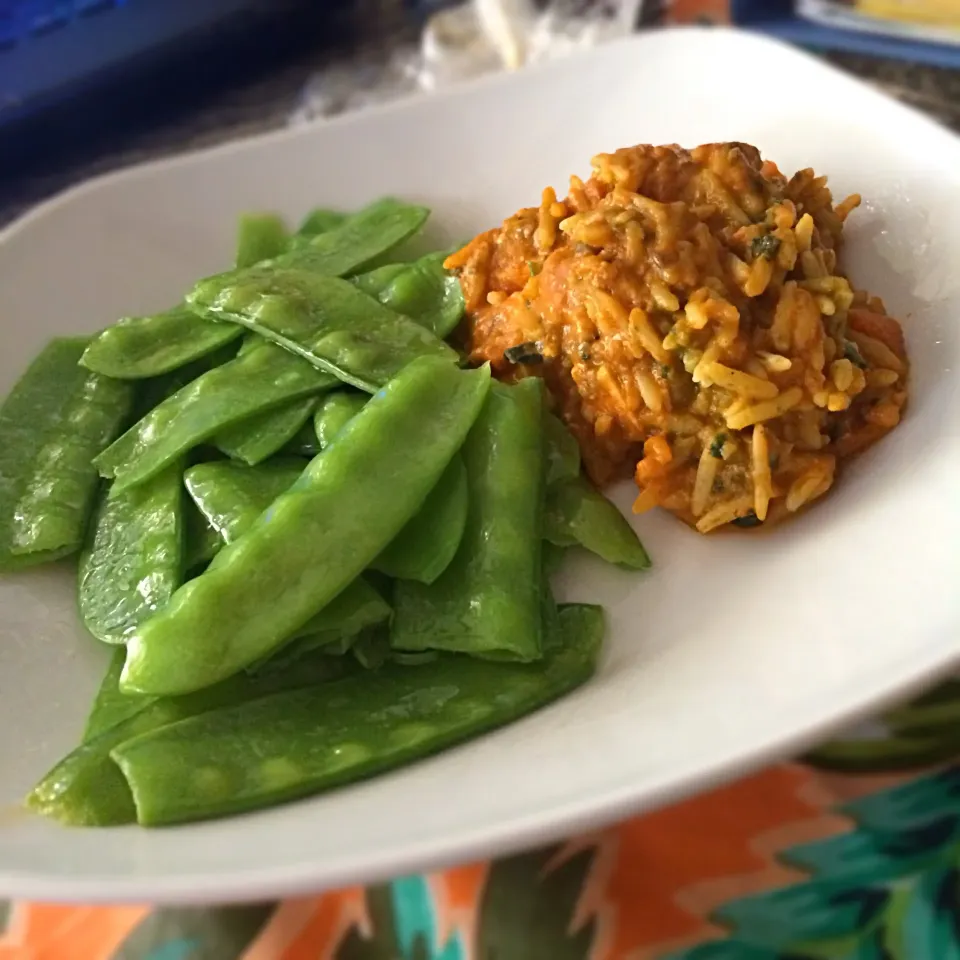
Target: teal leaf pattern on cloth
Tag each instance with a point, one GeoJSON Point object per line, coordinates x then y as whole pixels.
{"type": "Point", "coordinates": [403, 926]}
{"type": "Point", "coordinates": [888, 889]}
{"type": "Point", "coordinates": [728, 950]}
{"type": "Point", "coordinates": [810, 911]}
{"type": "Point", "coordinates": [416, 922]}
{"type": "Point", "coordinates": [909, 806]}
{"type": "Point", "coordinates": [930, 921]}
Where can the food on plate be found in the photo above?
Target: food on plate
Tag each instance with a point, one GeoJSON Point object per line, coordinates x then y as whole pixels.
{"type": "Point", "coordinates": [320, 548]}
{"type": "Point", "coordinates": [688, 314]}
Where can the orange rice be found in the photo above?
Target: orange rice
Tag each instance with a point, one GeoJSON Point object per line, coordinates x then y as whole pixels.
{"type": "Point", "coordinates": [687, 312]}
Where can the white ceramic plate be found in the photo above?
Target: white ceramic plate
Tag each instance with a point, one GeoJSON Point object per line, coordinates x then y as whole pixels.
{"type": "Point", "coordinates": [732, 650]}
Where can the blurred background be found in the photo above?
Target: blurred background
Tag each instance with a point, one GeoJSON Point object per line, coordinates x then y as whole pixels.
{"type": "Point", "coordinates": [90, 85]}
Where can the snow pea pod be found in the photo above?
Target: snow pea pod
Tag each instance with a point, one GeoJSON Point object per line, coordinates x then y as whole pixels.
{"type": "Point", "coordinates": [57, 418]}
{"type": "Point", "coordinates": [561, 450]}
{"type": "Point", "coordinates": [318, 221]}
{"type": "Point", "coordinates": [335, 411]}
{"type": "Point", "coordinates": [323, 319]}
{"type": "Point", "coordinates": [134, 560]}
{"type": "Point", "coordinates": [148, 346]}
{"type": "Point", "coordinates": [303, 444]}
{"type": "Point", "coordinates": [263, 378]}
{"type": "Point", "coordinates": [347, 505]}
{"type": "Point", "coordinates": [86, 788]}
{"type": "Point", "coordinates": [577, 513]}
{"type": "Point", "coordinates": [424, 548]}
{"type": "Point", "coordinates": [260, 236]}
{"type": "Point", "coordinates": [231, 496]}
{"type": "Point", "coordinates": [111, 706]}
{"type": "Point", "coordinates": [203, 542]}
{"type": "Point", "coordinates": [358, 240]}
{"type": "Point", "coordinates": [255, 439]}
{"type": "Point", "coordinates": [487, 602]}
{"type": "Point", "coordinates": [336, 627]}
{"type": "Point", "coordinates": [427, 293]}
{"type": "Point", "coordinates": [140, 347]}
{"type": "Point", "coordinates": [293, 744]}
{"type": "Point", "coordinates": [375, 281]}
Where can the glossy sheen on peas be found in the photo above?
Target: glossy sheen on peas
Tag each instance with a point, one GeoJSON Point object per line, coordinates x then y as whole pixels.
{"type": "Point", "coordinates": [299, 743]}
{"type": "Point", "coordinates": [203, 542]}
{"type": "Point", "coordinates": [487, 602]}
{"type": "Point", "coordinates": [140, 347]}
{"type": "Point", "coordinates": [260, 379]}
{"type": "Point", "coordinates": [576, 513]}
{"type": "Point", "coordinates": [232, 496]}
{"type": "Point", "coordinates": [134, 560]}
{"type": "Point", "coordinates": [346, 507]}
{"type": "Point", "coordinates": [56, 419]}
{"type": "Point", "coordinates": [324, 319]}
{"type": "Point", "coordinates": [86, 788]}
{"type": "Point", "coordinates": [254, 440]}
{"type": "Point", "coordinates": [425, 547]}
{"type": "Point", "coordinates": [334, 412]}
{"type": "Point", "coordinates": [421, 290]}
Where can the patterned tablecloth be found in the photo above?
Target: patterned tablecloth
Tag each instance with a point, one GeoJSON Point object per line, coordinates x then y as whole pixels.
{"type": "Point", "coordinates": [851, 854]}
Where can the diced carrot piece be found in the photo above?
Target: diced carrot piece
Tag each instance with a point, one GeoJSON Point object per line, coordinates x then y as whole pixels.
{"type": "Point", "coordinates": [880, 327]}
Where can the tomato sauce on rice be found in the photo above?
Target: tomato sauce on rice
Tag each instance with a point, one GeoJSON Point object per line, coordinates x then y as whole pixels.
{"type": "Point", "coordinates": [687, 312]}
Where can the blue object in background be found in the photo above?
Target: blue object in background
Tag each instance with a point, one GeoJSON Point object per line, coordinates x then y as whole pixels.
{"type": "Point", "coordinates": [52, 50]}
{"type": "Point", "coordinates": [778, 18]}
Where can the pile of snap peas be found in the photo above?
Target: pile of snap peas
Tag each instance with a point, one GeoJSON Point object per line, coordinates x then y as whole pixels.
{"type": "Point", "coordinates": [318, 546]}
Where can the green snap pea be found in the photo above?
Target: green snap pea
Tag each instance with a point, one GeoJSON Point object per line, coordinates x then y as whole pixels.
{"type": "Point", "coordinates": [260, 236]}
{"type": "Point", "coordinates": [57, 418]}
{"type": "Point", "coordinates": [262, 379]}
{"type": "Point", "coordinates": [303, 444]}
{"type": "Point", "coordinates": [372, 648]}
{"type": "Point", "coordinates": [425, 547]}
{"type": "Point", "coordinates": [553, 557]}
{"type": "Point", "coordinates": [323, 319]}
{"type": "Point", "coordinates": [577, 513]}
{"type": "Point", "coordinates": [134, 560]}
{"type": "Point", "coordinates": [349, 246]}
{"type": "Point", "coordinates": [203, 543]}
{"type": "Point", "coordinates": [561, 451]}
{"type": "Point", "coordinates": [320, 221]}
{"type": "Point", "coordinates": [87, 789]}
{"type": "Point", "coordinates": [137, 348]}
{"type": "Point", "coordinates": [375, 281]}
{"type": "Point", "coordinates": [487, 602]}
{"type": "Point", "coordinates": [334, 412]}
{"type": "Point", "coordinates": [421, 290]}
{"type": "Point", "coordinates": [293, 744]}
{"type": "Point", "coordinates": [232, 496]}
{"type": "Point", "coordinates": [348, 504]}
{"type": "Point", "coordinates": [111, 706]}
{"type": "Point", "coordinates": [141, 347]}
{"type": "Point", "coordinates": [254, 440]}
{"type": "Point", "coordinates": [336, 627]}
